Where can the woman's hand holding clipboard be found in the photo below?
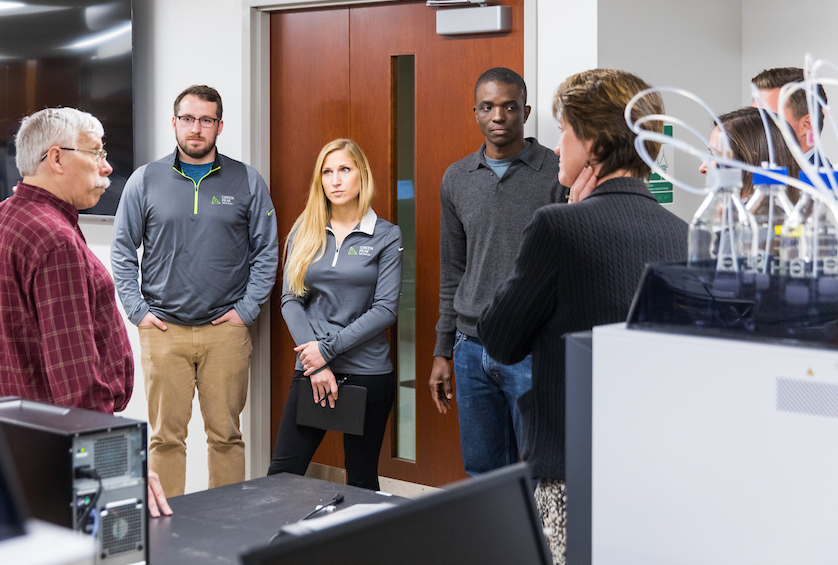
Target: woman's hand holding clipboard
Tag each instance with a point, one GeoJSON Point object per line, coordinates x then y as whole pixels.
{"type": "Point", "coordinates": [345, 415]}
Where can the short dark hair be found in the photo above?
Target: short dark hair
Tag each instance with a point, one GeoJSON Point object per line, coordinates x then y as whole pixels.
{"type": "Point", "coordinates": [505, 76]}
{"type": "Point", "coordinates": [777, 78]}
{"type": "Point", "coordinates": [203, 92]}
{"type": "Point", "coordinates": [770, 79]}
{"type": "Point", "coordinates": [593, 104]}
{"type": "Point", "coordinates": [750, 145]}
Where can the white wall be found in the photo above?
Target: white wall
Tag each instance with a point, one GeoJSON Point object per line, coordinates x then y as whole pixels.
{"type": "Point", "coordinates": [681, 43]}
{"type": "Point", "coordinates": [780, 34]}
{"type": "Point", "coordinates": [776, 33]}
{"type": "Point", "coordinates": [567, 44]}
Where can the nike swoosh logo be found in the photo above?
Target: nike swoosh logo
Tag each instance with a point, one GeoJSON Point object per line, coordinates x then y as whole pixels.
{"type": "Point", "coordinates": [401, 249]}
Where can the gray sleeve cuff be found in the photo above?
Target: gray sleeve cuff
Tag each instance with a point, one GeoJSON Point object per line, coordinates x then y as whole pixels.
{"type": "Point", "coordinates": [444, 345]}
{"type": "Point", "coordinates": [137, 316]}
{"type": "Point", "coordinates": [326, 349]}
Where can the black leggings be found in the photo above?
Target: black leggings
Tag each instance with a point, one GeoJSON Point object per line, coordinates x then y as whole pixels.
{"type": "Point", "coordinates": [295, 445]}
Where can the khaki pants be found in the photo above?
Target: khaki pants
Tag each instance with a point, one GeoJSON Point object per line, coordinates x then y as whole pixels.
{"type": "Point", "coordinates": [215, 360]}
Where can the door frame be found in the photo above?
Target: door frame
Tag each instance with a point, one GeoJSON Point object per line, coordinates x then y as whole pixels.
{"type": "Point", "coordinates": [256, 150]}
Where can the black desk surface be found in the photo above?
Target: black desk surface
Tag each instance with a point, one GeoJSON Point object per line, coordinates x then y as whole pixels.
{"type": "Point", "coordinates": [215, 526]}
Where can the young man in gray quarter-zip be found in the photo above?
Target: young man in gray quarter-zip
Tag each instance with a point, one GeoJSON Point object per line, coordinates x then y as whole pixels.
{"type": "Point", "coordinates": [210, 255]}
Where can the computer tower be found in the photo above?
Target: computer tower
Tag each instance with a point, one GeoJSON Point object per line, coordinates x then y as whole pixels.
{"type": "Point", "coordinates": [578, 383]}
{"type": "Point", "coordinates": [83, 470]}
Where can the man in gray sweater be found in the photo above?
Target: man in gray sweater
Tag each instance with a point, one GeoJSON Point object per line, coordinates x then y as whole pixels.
{"type": "Point", "coordinates": [487, 198]}
{"type": "Point", "coordinates": [210, 254]}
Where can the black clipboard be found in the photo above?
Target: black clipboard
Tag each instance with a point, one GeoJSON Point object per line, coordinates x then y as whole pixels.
{"type": "Point", "coordinates": [347, 416]}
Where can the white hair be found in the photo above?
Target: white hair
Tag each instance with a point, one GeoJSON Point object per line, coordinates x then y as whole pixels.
{"type": "Point", "coordinates": [45, 128]}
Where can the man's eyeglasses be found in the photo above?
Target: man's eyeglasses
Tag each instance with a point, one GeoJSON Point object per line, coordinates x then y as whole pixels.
{"type": "Point", "coordinates": [189, 120]}
{"type": "Point", "coordinates": [100, 154]}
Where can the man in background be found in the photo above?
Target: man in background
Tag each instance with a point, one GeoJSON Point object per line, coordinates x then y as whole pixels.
{"type": "Point", "coordinates": [487, 199]}
{"type": "Point", "coordinates": [210, 255]}
{"type": "Point", "coordinates": [62, 340]}
{"type": "Point", "coordinates": [769, 82]}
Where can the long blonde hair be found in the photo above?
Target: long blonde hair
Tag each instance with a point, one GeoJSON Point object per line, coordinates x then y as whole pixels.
{"type": "Point", "coordinates": [309, 230]}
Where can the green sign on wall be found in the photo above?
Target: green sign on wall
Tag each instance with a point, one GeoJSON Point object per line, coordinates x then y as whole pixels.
{"type": "Point", "coordinates": [660, 188]}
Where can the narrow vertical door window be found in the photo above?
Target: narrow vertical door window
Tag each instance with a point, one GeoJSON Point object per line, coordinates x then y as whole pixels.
{"type": "Point", "coordinates": [404, 83]}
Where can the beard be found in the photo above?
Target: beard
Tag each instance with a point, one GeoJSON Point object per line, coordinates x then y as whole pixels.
{"type": "Point", "coordinates": [196, 153]}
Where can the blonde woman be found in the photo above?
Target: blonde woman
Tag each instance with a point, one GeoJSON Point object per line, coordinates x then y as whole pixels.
{"type": "Point", "coordinates": [340, 292]}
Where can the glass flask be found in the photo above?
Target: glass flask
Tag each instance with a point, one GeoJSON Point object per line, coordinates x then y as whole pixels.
{"type": "Point", "coordinates": [809, 240]}
{"type": "Point", "coordinates": [722, 230]}
{"type": "Point", "coordinates": [770, 206]}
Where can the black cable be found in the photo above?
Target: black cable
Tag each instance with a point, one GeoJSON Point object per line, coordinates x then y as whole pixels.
{"type": "Point", "coordinates": [328, 394]}
{"type": "Point", "coordinates": [337, 499]}
{"type": "Point", "coordinates": [87, 472]}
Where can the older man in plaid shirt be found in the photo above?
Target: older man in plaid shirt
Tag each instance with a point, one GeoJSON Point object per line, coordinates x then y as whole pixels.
{"type": "Point", "coordinates": [62, 339]}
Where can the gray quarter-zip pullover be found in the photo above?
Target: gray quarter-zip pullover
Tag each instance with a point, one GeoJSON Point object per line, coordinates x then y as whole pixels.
{"type": "Point", "coordinates": [208, 246]}
{"type": "Point", "coordinates": [352, 297]}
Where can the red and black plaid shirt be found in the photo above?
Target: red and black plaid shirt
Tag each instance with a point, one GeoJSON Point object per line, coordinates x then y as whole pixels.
{"type": "Point", "coordinates": [62, 339]}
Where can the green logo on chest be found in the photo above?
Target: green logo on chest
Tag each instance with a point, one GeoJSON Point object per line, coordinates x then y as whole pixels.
{"type": "Point", "coordinates": [352, 251]}
{"type": "Point", "coordinates": [215, 200]}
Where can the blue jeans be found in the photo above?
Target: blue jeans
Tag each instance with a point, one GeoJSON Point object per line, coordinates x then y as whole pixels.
{"type": "Point", "coordinates": [487, 397]}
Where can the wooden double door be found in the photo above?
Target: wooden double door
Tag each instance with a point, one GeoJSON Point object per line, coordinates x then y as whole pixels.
{"type": "Point", "coordinates": [340, 72]}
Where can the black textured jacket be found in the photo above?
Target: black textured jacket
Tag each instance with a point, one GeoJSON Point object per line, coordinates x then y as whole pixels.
{"type": "Point", "coordinates": [577, 267]}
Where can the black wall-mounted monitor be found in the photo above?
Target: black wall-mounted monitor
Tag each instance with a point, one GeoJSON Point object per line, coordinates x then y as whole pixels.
{"type": "Point", "coordinates": [488, 520]}
{"type": "Point", "coordinates": [73, 53]}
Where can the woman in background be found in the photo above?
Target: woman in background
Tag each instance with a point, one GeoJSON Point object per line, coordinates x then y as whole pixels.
{"type": "Point", "coordinates": [340, 292]}
{"type": "Point", "coordinates": [578, 266]}
{"type": "Point", "coordinates": [749, 144]}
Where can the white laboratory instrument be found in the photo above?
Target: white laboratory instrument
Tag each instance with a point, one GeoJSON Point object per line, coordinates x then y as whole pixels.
{"type": "Point", "coordinates": [709, 450]}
